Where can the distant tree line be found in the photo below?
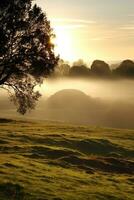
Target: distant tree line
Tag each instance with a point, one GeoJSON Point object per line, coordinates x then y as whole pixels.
{"type": "Point", "coordinates": [98, 69]}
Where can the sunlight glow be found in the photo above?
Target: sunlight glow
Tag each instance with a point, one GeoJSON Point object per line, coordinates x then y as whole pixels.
{"type": "Point", "coordinates": [63, 43]}
{"type": "Point", "coordinates": [95, 30]}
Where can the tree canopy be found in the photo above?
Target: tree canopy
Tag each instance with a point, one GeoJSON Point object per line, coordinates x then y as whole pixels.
{"type": "Point", "coordinates": [100, 68]}
{"type": "Point", "coordinates": [125, 69]}
{"type": "Point", "coordinates": [26, 52]}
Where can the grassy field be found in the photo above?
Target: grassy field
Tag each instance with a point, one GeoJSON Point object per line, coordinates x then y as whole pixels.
{"type": "Point", "coordinates": [49, 160]}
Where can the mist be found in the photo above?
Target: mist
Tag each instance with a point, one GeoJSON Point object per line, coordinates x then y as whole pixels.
{"type": "Point", "coordinates": [94, 102]}
{"type": "Point", "coordinates": [122, 89]}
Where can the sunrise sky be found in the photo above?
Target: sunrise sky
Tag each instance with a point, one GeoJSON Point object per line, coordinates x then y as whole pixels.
{"type": "Point", "coordinates": [92, 29]}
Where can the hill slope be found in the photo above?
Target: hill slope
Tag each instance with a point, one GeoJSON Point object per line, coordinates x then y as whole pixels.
{"type": "Point", "coordinates": [49, 160]}
{"type": "Point", "coordinates": [73, 106]}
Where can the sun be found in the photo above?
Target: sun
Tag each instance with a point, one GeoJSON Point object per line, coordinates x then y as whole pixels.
{"type": "Point", "coordinates": [63, 43]}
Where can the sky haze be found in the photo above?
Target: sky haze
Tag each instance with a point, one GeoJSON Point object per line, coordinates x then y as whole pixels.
{"type": "Point", "coordinates": [92, 29]}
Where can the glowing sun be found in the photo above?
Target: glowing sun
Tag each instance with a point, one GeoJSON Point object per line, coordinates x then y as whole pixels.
{"type": "Point", "coordinates": [63, 43]}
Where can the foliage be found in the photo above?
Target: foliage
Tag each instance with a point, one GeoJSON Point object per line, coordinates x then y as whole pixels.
{"type": "Point", "coordinates": [62, 69]}
{"type": "Point", "coordinates": [125, 69]}
{"type": "Point", "coordinates": [26, 52]}
{"type": "Point", "coordinates": [79, 71]}
{"type": "Point", "coordinates": [100, 68]}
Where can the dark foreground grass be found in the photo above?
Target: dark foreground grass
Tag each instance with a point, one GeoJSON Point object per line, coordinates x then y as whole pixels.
{"type": "Point", "coordinates": [49, 160]}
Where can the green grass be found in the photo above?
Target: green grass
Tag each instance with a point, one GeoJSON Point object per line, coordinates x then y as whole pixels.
{"type": "Point", "coordinates": [56, 161]}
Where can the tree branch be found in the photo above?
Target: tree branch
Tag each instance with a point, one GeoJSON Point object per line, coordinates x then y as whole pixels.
{"type": "Point", "coordinates": [3, 80]}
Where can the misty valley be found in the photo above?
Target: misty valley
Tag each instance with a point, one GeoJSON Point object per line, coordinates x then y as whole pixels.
{"type": "Point", "coordinates": [94, 102]}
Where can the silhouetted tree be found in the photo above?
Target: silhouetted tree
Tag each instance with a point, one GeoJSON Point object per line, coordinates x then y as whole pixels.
{"type": "Point", "coordinates": [79, 68]}
{"type": "Point", "coordinates": [126, 69]}
{"type": "Point", "coordinates": [100, 68]}
{"type": "Point", "coordinates": [62, 68]}
{"type": "Point", "coordinates": [79, 62]}
{"type": "Point", "coordinates": [80, 71]}
{"type": "Point", "coordinates": [26, 51]}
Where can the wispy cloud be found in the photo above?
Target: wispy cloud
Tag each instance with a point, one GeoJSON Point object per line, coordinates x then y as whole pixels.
{"type": "Point", "coordinates": [127, 27]}
{"type": "Point", "coordinates": [100, 38]}
{"type": "Point", "coordinates": [67, 23]}
{"type": "Point", "coordinates": [131, 15]}
{"type": "Point", "coordinates": [68, 20]}
{"type": "Point", "coordinates": [70, 26]}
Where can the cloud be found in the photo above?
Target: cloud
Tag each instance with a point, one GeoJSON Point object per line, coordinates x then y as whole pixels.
{"type": "Point", "coordinates": [68, 20]}
{"type": "Point", "coordinates": [101, 38]}
{"type": "Point", "coordinates": [68, 23]}
{"type": "Point", "coordinates": [127, 27]}
{"type": "Point", "coordinates": [70, 26]}
{"type": "Point", "coordinates": [131, 15]}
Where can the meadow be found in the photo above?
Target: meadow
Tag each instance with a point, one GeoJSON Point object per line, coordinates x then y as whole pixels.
{"type": "Point", "coordinates": [47, 160]}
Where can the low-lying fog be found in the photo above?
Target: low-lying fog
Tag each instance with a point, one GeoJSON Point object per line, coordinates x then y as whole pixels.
{"type": "Point", "coordinates": [105, 89]}
{"type": "Point", "coordinates": [93, 102]}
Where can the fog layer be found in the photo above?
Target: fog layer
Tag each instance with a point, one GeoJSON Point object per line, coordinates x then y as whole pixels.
{"type": "Point", "coordinates": [90, 102]}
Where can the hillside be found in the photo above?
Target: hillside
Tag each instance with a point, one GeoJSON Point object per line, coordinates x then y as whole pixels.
{"type": "Point", "coordinates": [71, 106]}
{"type": "Point", "coordinates": [69, 98]}
{"type": "Point", "coordinates": [74, 106]}
{"type": "Point", "coordinates": [55, 161]}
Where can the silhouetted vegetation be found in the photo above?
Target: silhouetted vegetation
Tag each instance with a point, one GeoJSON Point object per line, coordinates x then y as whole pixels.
{"type": "Point", "coordinates": [61, 69]}
{"type": "Point", "coordinates": [125, 69]}
{"type": "Point", "coordinates": [81, 70]}
{"type": "Point", "coordinates": [98, 69]}
{"type": "Point", "coordinates": [26, 53]}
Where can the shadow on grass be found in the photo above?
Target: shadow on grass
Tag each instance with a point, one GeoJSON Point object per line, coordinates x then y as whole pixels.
{"type": "Point", "coordinates": [10, 191]}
